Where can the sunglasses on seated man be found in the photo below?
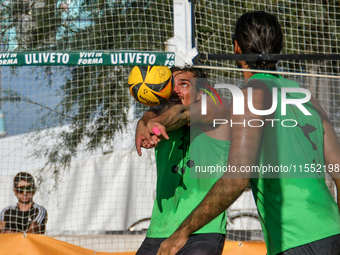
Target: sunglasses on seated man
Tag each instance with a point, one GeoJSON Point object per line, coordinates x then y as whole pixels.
{"type": "Point", "coordinates": [28, 189]}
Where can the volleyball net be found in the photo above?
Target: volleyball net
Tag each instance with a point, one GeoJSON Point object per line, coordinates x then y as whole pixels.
{"type": "Point", "coordinates": [69, 118]}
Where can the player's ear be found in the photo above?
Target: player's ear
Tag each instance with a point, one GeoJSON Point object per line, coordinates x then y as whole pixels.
{"type": "Point", "coordinates": [199, 95]}
{"type": "Point", "coordinates": [237, 49]}
{"type": "Point", "coordinates": [15, 191]}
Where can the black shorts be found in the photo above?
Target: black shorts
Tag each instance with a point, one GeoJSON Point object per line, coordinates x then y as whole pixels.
{"type": "Point", "coordinates": [326, 246]}
{"type": "Point", "coordinates": [199, 244]}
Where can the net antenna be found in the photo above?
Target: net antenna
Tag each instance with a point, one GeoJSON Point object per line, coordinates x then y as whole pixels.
{"type": "Point", "coordinates": [183, 43]}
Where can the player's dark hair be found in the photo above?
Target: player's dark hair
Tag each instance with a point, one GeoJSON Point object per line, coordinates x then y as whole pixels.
{"type": "Point", "coordinates": [198, 72]}
{"type": "Point", "coordinates": [23, 176]}
{"type": "Point", "coordinates": [259, 32]}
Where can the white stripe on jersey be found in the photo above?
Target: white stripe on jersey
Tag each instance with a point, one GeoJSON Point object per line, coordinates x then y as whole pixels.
{"type": "Point", "coordinates": [41, 214]}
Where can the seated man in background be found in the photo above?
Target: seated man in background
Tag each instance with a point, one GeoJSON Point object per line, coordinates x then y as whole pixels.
{"type": "Point", "coordinates": [25, 216]}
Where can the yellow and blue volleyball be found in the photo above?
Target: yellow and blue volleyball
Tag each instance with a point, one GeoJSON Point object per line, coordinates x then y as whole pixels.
{"type": "Point", "coordinates": [151, 85]}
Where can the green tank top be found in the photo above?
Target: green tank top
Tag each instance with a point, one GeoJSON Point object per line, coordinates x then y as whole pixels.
{"type": "Point", "coordinates": [295, 208]}
{"type": "Point", "coordinates": [178, 191]}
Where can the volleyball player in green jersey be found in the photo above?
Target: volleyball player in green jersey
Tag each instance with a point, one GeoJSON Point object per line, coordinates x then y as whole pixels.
{"type": "Point", "coordinates": [177, 191]}
{"type": "Point", "coordinates": [297, 212]}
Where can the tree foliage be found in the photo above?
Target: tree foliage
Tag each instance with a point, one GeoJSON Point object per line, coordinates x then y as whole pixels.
{"type": "Point", "coordinates": [94, 99]}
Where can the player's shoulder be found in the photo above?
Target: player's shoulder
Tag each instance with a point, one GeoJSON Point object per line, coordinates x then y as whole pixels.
{"type": "Point", "coordinates": [216, 104]}
{"type": "Point", "coordinates": [224, 102]}
{"type": "Point", "coordinates": [258, 88]}
{"type": "Point", "coordinates": [256, 83]}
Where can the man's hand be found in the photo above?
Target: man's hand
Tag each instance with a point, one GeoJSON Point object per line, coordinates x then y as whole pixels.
{"type": "Point", "coordinates": [173, 244]}
{"type": "Point", "coordinates": [5, 231]}
{"type": "Point", "coordinates": [146, 144]}
{"type": "Point", "coordinates": [144, 138]}
{"type": "Point", "coordinates": [157, 129]}
{"type": "Point", "coordinates": [34, 228]}
{"type": "Point", "coordinates": [2, 227]}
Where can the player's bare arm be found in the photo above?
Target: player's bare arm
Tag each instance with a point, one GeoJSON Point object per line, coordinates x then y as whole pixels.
{"type": "Point", "coordinates": [143, 137]}
{"type": "Point", "coordinates": [331, 146]}
{"type": "Point", "coordinates": [180, 115]}
{"type": "Point", "coordinates": [245, 141]}
{"type": "Point", "coordinates": [142, 134]}
{"type": "Point", "coordinates": [172, 119]}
